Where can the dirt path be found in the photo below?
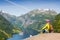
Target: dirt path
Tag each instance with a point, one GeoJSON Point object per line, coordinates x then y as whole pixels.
{"type": "Point", "coordinates": [46, 36]}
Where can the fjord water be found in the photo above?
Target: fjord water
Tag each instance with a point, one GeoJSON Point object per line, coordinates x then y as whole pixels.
{"type": "Point", "coordinates": [19, 36]}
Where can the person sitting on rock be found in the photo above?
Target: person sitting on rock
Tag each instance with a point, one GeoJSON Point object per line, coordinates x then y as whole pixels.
{"type": "Point", "coordinates": [48, 27]}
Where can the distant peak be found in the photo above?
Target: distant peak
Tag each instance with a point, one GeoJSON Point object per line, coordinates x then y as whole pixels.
{"type": "Point", "coordinates": [43, 9]}
{"type": "Point", "coordinates": [2, 11]}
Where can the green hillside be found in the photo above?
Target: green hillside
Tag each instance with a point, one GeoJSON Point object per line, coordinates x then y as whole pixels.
{"type": "Point", "coordinates": [6, 28]}
{"type": "Point", "coordinates": [56, 23]}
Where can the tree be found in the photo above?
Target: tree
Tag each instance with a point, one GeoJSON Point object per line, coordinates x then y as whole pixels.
{"type": "Point", "coordinates": [56, 23]}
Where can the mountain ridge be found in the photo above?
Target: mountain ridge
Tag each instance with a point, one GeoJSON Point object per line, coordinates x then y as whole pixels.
{"type": "Point", "coordinates": [31, 17]}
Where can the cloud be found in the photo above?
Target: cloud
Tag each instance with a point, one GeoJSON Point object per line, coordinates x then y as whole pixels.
{"type": "Point", "coordinates": [19, 6]}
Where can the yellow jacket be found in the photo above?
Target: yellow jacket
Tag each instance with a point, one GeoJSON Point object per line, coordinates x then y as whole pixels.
{"type": "Point", "coordinates": [47, 26]}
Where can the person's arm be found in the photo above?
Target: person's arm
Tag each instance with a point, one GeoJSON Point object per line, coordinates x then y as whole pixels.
{"type": "Point", "coordinates": [45, 26]}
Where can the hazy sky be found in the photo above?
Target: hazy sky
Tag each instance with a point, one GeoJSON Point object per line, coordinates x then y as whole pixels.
{"type": "Point", "coordinates": [20, 7]}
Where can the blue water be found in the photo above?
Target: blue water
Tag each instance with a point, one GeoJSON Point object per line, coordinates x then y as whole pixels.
{"type": "Point", "coordinates": [23, 35]}
{"type": "Point", "coordinates": [16, 37]}
{"type": "Point", "coordinates": [20, 36]}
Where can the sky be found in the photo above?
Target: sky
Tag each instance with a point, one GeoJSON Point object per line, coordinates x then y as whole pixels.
{"type": "Point", "coordinates": [20, 7]}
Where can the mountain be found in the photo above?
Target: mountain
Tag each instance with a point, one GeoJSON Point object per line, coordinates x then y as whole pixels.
{"type": "Point", "coordinates": [10, 18]}
{"type": "Point", "coordinates": [36, 15]}
{"type": "Point", "coordinates": [31, 20]}
{"type": "Point", "coordinates": [34, 20]}
{"type": "Point", "coordinates": [6, 28]}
